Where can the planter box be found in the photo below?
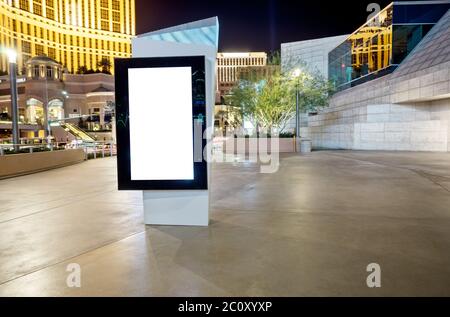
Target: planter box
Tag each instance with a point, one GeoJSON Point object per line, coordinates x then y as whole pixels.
{"type": "Point", "coordinates": [22, 164]}
{"type": "Point", "coordinates": [254, 145]}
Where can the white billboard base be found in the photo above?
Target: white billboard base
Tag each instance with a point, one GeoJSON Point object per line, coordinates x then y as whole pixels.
{"type": "Point", "coordinates": [176, 208]}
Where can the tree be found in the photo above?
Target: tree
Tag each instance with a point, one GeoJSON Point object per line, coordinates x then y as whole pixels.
{"type": "Point", "coordinates": [105, 65]}
{"type": "Point", "coordinates": [274, 58]}
{"type": "Point", "coordinates": [244, 97]}
{"type": "Point", "coordinates": [270, 103]}
{"type": "Point", "coordinates": [82, 70]}
{"type": "Point", "coordinates": [276, 104]}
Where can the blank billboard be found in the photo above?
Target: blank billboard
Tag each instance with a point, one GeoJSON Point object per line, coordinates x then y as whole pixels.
{"type": "Point", "coordinates": [161, 124]}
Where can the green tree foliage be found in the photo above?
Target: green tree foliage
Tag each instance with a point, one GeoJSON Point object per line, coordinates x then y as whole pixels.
{"type": "Point", "coordinates": [270, 103]}
{"type": "Point", "coordinates": [275, 105]}
{"type": "Point", "coordinates": [105, 65]}
{"type": "Point", "coordinates": [82, 70]}
{"type": "Point", "coordinates": [274, 58]}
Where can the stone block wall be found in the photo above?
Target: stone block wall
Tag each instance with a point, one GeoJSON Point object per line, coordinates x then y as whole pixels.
{"type": "Point", "coordinates": [409, 113]}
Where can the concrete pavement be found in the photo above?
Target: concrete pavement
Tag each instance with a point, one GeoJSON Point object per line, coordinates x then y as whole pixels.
{"type": "Point", "coordinates": [309, 230]}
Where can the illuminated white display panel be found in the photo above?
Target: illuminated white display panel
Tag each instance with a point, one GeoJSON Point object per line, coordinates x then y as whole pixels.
{"type": "Point", "coordinates": [161, 123]}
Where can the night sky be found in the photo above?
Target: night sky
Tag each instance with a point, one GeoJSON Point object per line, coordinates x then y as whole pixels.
{"type": "Point", "coordinates": [258, 25]}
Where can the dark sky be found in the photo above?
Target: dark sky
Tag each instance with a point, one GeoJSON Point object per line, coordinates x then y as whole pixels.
{"type": "Point", "coordinates": [258, 25]}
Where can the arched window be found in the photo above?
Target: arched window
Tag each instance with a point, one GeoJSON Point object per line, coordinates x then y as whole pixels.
{"type": "Point", "coordinates": [49, 72]}
{"type": "Point", "coordinates": [55, 111]}
{"type": "Point", "coordinates": [36, 72]}
{"type": "Point", "coordinates": [34, 111]}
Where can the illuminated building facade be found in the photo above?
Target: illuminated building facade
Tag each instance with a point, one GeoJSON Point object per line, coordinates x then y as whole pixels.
{"type": "Point", "coordinates": [45, 89]}
{"type": "Point", "coordinates": [76, 33]}
{"type": "Point", "coordinates": [379, 46]}
{"type": "Point", "coordinates": [230, 66]}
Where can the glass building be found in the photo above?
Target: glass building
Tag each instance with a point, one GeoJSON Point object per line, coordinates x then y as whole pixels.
{"type": "Point", "coordinates": [383, 42]}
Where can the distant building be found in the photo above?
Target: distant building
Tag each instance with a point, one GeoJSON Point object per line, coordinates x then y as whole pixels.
{"type": "Point", "coordinates": [314, 53]}
{"type": "Point", "coordinates": [75, 33]}
{"type": "Point", "coordinates": [230, 66]}
{"type": "Point", "coordinates": [256, 73]}
{"type": "Point", "coordinates": [46, 88]}
{"type": "Point", "coordinates": [394, 83]}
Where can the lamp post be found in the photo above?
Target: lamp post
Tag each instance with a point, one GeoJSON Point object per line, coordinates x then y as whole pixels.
{"type": "Point", "coordinates": [297, 73]}
{"type": "Point", "coordinates": [48, 130]}
{"type": "Point", "coordinates": [12, 59]}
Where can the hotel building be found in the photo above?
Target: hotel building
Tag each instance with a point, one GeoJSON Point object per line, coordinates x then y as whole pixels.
{"type": "Point", "coordinates": [45, 90]}
{"type": "Point", "coordinates": [75, 33]}
{"type": "Point", "coordinates": [231, 65]}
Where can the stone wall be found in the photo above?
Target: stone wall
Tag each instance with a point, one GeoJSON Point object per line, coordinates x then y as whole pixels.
{"type": "Point", "coordinates": [22, 164]}
{"type": "Point", "coordinates": [410, 113]}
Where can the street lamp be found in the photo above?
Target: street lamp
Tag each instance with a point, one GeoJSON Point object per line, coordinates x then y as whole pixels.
{"type": "Point", "coordinates": [48, 130]}
{"type": "Point", "coordinates": [296, 74]}
{"type": "Point", "coordinates": [12, 59]}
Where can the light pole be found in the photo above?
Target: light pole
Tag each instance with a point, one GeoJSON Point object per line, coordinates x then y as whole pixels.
{"type": "Point", "coordinates": [12, 59]}
{"type": "Point", "coordinates": [48, 130]}
{"type": "Point", "coordinates": [297, 73]}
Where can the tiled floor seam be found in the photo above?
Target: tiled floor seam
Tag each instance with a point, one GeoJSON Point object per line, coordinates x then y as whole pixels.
{"type": "Point", "coordinates": [72, 257]}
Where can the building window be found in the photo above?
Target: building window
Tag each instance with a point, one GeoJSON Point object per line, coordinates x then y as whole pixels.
{"type": "Point", "coordinates": [39, 50]}
{"type": "Point", "coordinates": [37, 7]}
{"type": "Point", "coordinates": [24, 5]}
{"type": "Point", "coordinates": [116, 16]}
{"type": "Point", "coordinates": [104, 14]}
{"type": "Point", "coordinates": [95, 18]}
{"type": "Point", "coordinates": [52, 53]}
{"type": "Point", "coordinates": [116, 5]}
{"type": "Point", "coordinates": [50, 14]}
{"type": "Point", "coordinates": [105, 25]}
{"type": "Point", "coordinates": [26, 47]}
{"type": "Point", "coordinates": [82, 15]}
{"type": "Point", "coordinates": [63, 13]}
{"type": "Point", "coordinates": [116, 27]}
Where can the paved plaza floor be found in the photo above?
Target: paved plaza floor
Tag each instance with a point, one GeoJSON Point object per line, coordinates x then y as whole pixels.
{"type": "Point", "coordinates": [310, 229]}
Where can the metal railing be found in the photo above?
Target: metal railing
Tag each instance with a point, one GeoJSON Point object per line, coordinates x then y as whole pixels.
{"type": "Point", "coordinates": [92, 150]}
{"type": "Point", "coordinates": [10, 148]}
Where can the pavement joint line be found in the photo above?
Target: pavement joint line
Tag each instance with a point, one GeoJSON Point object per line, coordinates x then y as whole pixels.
{"type": "Point", "coordinates": [53, 200]}
{"type": "Point", "coordinates": [108, 243]}
{"type": "Point", "coordinates": [420, 173]}
{"type": "Point", "coordinates": [429, 177]}
{"type": "Point", "coordinates": [52, 208]}
{"type": "Point", "coordinates": [324, 214]}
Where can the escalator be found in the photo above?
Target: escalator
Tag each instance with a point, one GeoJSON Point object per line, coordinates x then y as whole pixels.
{"type": "Point", "coordinates": [77, 132]}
